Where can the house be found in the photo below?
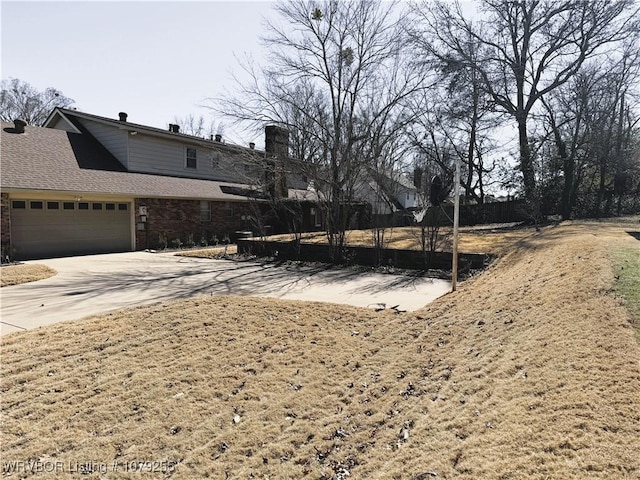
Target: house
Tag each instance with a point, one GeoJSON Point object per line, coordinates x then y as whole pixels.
{"type": "Point", "coordinates": [392, 196]}
{"type": "Point", "coordinates": [84, 184]}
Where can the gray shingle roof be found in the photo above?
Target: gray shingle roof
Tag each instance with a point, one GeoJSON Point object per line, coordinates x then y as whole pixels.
{"type": "Point", "coordinates": [74, 115]}
{"type": "Point", "coordinates": [47, 159]}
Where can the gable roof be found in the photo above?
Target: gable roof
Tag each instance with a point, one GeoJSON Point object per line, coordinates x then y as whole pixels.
{"type": "Point", "coordinates": [70, 118]}
{"type": "Point", "coordinates": [47, 159]}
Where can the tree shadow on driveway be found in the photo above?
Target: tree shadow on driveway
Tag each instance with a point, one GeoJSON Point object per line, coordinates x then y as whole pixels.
{"type": "Point", "coordinates": [102, 287]}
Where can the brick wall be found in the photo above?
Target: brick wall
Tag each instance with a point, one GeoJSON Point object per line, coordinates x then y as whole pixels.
{"type": "Point", "coordinates": [5, 225]}
{"type": "Point", "coordinates": [177, 219]}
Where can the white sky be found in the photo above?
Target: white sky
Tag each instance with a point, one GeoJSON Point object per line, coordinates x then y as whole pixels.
{"type": "Point", "coordinates": [154, 60]}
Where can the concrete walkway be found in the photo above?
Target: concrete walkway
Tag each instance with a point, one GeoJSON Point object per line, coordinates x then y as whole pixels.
{"type": "Point", "coordinates": [96, 284]}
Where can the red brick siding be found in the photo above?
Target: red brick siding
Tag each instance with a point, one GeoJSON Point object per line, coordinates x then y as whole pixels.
{"type": "Point", "coordinates": [177, 219]}
{"type": "Point", "coordinates": [5, 225]}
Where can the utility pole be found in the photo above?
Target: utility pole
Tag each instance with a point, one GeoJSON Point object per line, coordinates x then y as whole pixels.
{"type": "Point", "coordinates": [456, 221]}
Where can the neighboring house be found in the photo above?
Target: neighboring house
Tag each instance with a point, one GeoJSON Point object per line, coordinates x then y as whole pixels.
{"type": "Point", "coordinates": [391, 196]}
{"type": "Point", "coordinates": [89, 184]}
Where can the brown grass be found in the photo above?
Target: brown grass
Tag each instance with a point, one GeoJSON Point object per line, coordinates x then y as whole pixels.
{"type": "Point", "coordinates": [494, 240]}
{"type": "Point", "coordinates": [17, 274]}
{"type": "Point", "coordinates": [529, 371]}
{"type": "Point", "coordinates": [209, 252]}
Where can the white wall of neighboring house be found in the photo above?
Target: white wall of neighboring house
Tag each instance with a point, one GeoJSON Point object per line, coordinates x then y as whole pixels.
{"type": "Point", "coordinates": [408, 198]}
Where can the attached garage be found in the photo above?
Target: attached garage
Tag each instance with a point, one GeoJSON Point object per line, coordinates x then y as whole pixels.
{"type": "Point", "coordinates": [62, 193]}
{"type": "Point", "coordinates": [52, 228]}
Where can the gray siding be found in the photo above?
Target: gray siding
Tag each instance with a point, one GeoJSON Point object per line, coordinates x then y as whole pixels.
{"type": "Point", "coordinates": [164, 157]}
{"type": "Point", "coordinates": [114, 139]}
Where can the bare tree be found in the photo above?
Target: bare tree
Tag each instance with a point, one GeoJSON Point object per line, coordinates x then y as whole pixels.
{"type": "Point", "coordinates": [19, 99]}
{"type": "Point", "coordinates": [335, 79]}
{"type": "Point", "coordinates": [593, 123]}
{"type": "Point", "coordinates": [454, 118]}
{"type": "Point", "coordinates": [528, 48]}
{"type": "Point", "coordinates": [198, 126]}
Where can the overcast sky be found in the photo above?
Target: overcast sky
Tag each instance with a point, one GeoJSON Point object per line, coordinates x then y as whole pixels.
{"type": "Point", "coordinates": [152, 59]}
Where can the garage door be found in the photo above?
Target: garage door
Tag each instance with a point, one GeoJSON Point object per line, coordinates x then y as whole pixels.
{"type": "Point", "coordinates": [41, 228]}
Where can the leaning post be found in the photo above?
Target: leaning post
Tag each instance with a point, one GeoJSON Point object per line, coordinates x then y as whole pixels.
{"type": "Point", "coordinates": [456, 221]}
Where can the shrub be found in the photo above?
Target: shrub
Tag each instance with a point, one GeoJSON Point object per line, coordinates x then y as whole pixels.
{"type": "Point", "coordinates": [162, 241]}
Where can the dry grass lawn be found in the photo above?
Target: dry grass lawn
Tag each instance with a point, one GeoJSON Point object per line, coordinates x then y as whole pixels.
{"type": "Point", "coordinates": [484, 239]}
{"type": "Point", "coordinates": [17, 274]}
{"type": "Point", "coordinates": [209, 252]}
{"type": "Point", "coordinates": [494, 240]}
{"type": "Point", "coordinates": [530, 370]}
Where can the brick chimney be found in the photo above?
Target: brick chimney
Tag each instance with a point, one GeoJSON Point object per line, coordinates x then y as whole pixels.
{"type": "Point", "coordinates": [276, 141]}
{"type": "Point", "coordinates": [276, 146]}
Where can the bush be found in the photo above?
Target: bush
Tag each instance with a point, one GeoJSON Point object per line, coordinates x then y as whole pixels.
{"type": "Point", "coordinates": [162, 241]}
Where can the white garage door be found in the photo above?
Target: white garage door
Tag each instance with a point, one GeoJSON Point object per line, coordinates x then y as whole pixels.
{"type": "Point", "coordinates": [42, 228]}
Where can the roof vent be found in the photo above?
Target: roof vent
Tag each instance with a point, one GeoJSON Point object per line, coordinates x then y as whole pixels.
{"type": "Point", "coordinates": [19, 125]}
{"type": "Point", "coordinates": [218, 138]}
{"type": "Point", "coordinates": [123, 116]}
{"type": "Point", "coordinates": [174, 128]}
{"type": "Point", "coordinates": [252, 145]}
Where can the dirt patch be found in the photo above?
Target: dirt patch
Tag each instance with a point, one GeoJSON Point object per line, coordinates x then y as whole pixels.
{"type": "Point", "coordinates": [17, 274]}
{"type": "Point", "coordinates": [529, 370]}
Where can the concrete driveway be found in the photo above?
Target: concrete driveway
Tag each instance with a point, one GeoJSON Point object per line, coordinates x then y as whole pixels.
{"type": "Point", "coordinates": [96, 284]}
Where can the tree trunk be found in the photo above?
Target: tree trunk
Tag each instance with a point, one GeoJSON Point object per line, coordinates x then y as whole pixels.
{"type": "Point", "coordinates": [568, 171]}
{"type": "Point", "coordinates": [601, 188]}
{"type": "Point", "coordinates": [469, 191]}
{"type": "Point", "coordinates": [566, 205]}
{"type": "Point", "coordinates": [526, 167]}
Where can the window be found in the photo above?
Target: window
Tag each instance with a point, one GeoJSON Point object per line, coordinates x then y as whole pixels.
{"type": "Point", "coordinates": [110, 206]}
{"type": "Point", "coordinates": [205, 211]}
{"type": "Point", "coordinates": [19, 204]}
{"type": "Point", "coordinates": [53, 206]}
{"type": "Point", "coordinates": [97, 206]}
{"type": "Point", "coordinates": [228, 210]}
{"type": "Point", "coordinates": [68, 206]}
{"type": "Point", "coordinates": [192, 158]}
{"type": "Point", "coordinates": [83, 206]}
{"type": "Point", "coordinates": [316, 217]}
{"type": "Point", "coordinates": [36, 205]}
{"type": "Point", "coordinates": [123, 207]}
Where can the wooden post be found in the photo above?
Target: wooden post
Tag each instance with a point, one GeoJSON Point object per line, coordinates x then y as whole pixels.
{"type": "Point", "coordinates": [456, 221]}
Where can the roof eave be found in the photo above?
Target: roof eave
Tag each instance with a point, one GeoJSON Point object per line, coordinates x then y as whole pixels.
{"type": "Point", "coordinates": [157, 132]}
{"type": "Point", "coordinates": [57, 112]}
